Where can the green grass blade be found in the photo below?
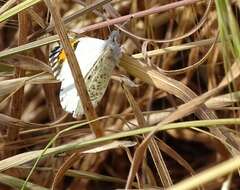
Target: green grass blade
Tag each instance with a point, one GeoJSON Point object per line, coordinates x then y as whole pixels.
{"type": "Point", "coordinates": [17, 183]}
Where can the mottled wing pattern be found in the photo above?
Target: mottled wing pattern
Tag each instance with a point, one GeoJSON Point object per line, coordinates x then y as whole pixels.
{"type": "Point", "coordinates": [98, 77]}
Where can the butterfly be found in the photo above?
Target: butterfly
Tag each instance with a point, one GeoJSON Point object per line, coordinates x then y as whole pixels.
{"type": "Point", "coordinates": [97, 58]}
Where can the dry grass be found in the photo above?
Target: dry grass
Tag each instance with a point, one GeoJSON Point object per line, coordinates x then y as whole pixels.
{"type": "Point", "coordinates": [170, 123]}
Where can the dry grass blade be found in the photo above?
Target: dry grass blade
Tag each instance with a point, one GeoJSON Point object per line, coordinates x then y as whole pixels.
{"type": "Point", "coordinates": [29, 46]}
{"type": "Point", "coordinates": [176, 48]}
{"type": "Point", "coordinates": [74, 157]}
{"type": "Point", "coordinates": [63, 169]}
{"type": "Point", "coordinates": [9, 86]}
{"type": "Point", "coordinates": [208, 175]}
{"type": "Point", "coordinates": [224, 100]}
{"type": "Point", "coordinates": [18, 8]}
{"type": "Point", "coordinates": [110, 146]}
{"type": "Point", "coordinates": [232, 74]}
{"type": "Point", "coordinates": [172, 153]}
{"type": "Point", "coordinates": [88, 8]}
{"type": "Point", "coordinates": [27, 63]}
{"type": "Point", "coordinates": [41, 78]}
{"type": "Point", "coordinates": [36, 17]}
{"type": "Point", "coordinates": [153, 148]}
{"type": "Point", "coordinates": [7, 5]}
{"type": "Point", "coordinates": [84, 174]}
{"type": "Point", "coordinates": [95, 176]}
{"type": "Point", "coordinates": [8, 121]}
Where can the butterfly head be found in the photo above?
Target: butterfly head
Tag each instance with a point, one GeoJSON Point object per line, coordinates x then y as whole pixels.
{"type": "Point", "coordinates": [112, 42]}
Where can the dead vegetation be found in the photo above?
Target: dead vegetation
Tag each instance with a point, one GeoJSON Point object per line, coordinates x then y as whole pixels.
{"type": "Point", "coordinates": [168, 120]}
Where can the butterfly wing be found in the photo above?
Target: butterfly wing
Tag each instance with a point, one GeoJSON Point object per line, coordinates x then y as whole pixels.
{"type": "Point", "coordinates": [87, 51]}
{"type": "Point", "coordinates": [97, 58]}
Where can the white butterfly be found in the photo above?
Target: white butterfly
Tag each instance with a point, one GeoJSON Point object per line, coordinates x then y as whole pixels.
{"type": "Point", "coordinates": [97, 59]}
